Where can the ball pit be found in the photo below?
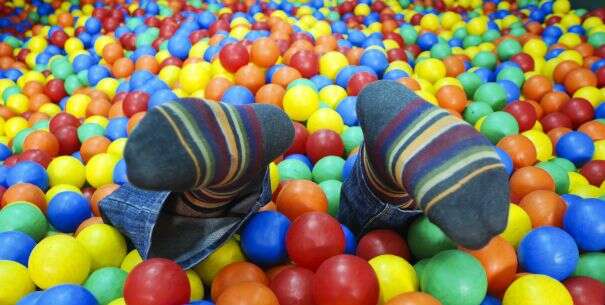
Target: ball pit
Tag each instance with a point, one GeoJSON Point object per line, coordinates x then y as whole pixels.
{"type": "Point", "coordinates": [77, 76]}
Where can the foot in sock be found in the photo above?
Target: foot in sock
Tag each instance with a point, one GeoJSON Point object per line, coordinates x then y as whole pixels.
{"type": "Point", "coordinates": [450, 170]}
{"type": "Point", "coordinates": [209, 150]}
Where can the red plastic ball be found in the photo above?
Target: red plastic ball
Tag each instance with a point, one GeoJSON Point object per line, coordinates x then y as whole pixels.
{"type": "Point", "coordinates": [292, 286]}
{"type": "Point", "coordinates": [555, 120]}
{"type": "Point", "coordinates": [524, 114]}
{"type": "Point", "coordinates": [594, 171]}
{"type": "Point", "coordinates": [323, 143]}
{"type": "Point", "coordinates": [379, 242]}
{"type": "Point", "coordinates": [39, 156]}
{"type": "Point", "coordinates": [358, 81]}
{"type": "Point", "coordinates": [578, 110]}
{"type": "Point", "coordinates": [134, 102]}
{"type": "Point", "coordinates": [55, 90]}
{"type": "Point", "coordinates": [601, 77]}
{"type": "Point", "coordinates": [62, 119]}
{"type": "Point", "coordinates": [68, 139]}
{"type": "Point", "coordinates": [314, 237]}
{"type": "Point", "coordinates": [396, 54]}
{"type": "Point", "coordinates": [585, 290]}
{"type": "Point", "coordinates": [300, 140]}
{"type": "Point", "coordinates": [306, 62]}
{"type": "Point", "coordinates": [234, 56]}
{"type": "Point", "coordinates": [157, 281]}
{"type": "Point", "coordinates": [524, 60]}
{"type": "Point", "coordinates": [345, 280]}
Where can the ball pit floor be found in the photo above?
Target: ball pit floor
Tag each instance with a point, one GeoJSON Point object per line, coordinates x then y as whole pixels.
{"type": "Point", "coordinates": [77, 76]}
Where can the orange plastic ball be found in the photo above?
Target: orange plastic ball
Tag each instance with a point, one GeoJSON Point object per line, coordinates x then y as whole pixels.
{"type": "Point", "coordinates": [499, 260]}
{"type": "Point", "coordinates": [552, 101]}
{"type": "Point", "coordinates": [528, 179]}
{"type": "Point", "coordinates": [264, 52]}
{"type": "Point", "coordinates": [65, 20]}
{"type": "Point", "coordinates": [556, 133]}
{"type": "Point", "coordinates": [134, 121]}
{"type": "Point", "coordinates": [87, 223]}
{"type": "Point", "coordinates": [537, 108]}
{"type": "Point", "coordinates": [112, 52]}
{"type": "Point", "coordinates": [116, 110]}
{"type": "Point", "coordinates": [250, 293]}
{"type": "Point", "coordinates": [98, 107]}
{"type": "Point", "coordinates": [413, 298]}
{"type": "Point", "coordinates": [147, 62]}
{"type": "Point", "coordinates": [410, 83]}
{"type": "Point", "coordinates": [235, 273]}
{"type": "Point", "coordinates": [354, 55]}
{"type": "Point", "coordinates": [452, 97]}
{"type": "Point", "coordinates": [216, 88]}
{"type": "Point", "coordinates": [594, 129]}
{"type": "Point", "coordinates": [122, 68]}
{"type": "Point", "coordinates": [454, 66]}
{"type": "Point", "coordinates": [5, 49]}
{"type": "Point", "coordinates": [563, 69]}
{"type": "Point", "coordinates": [99, 195]}
{"type": "Point", "coordinates": [285, 75]}
{"type": "Point", "coordinates": [31, 88]}
{"type": "Point", "coordinates": [24, 192]}
{"type": "Point", "coordinates": [36, 117]}
{"type": "Point", "coordinates": [250, 76]}
{"type": "Point", "coordinates": [93, 146]}
{"type": "Point", "coordinates": [536, 87]}
{"type": "Point", "coordinates": [270, 94]}
{"type": "Point", "coordinates": [301, 196]}
{"type": "Point", "coordinates": [37, 100]}
{"type": "Point", "coordinates": [42, 140]}
{"type": "Point", "coordinates": [545, 208]}
{"type": "Point", "coordinates": [585, 49]}
{"type": "Point", "coordinates": [578, 78]}
{"type": "Point", "coordinates": [521, 150]}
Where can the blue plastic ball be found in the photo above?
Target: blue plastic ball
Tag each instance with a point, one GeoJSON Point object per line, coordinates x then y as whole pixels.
{"type": "Point", "coordinates": [374, 59]}
{"type": "Point", "coordinates": [350, 240]}
{"type": "Point", "coordinates": [549, 251]}
{"type": "Point", "coordinates": [5, 152]}
{"type": "Point", "coordinates": [571, 199]}
{"type": "Point", "coordinates": [347, 169]}
{"type": "Point", "coordinates": [490, 300]}
{"type": "Point", "coordinates": [67, 210]}
{"type": "Point", "coordinates": [16, 246]}
{"type": "Point", "coordinates": [119, 173]}
{"type": "Point", "coordinates": [600, 111]}
{"type": "Point", "coordinates": [302, 158]}
{"type": "Point", "coordinates": [238, 95]}
{"type": "Point", "coordinates": [31, 298]}
{"type": "Point", "coordinates": [347, 109]}
{"type": "Point", "coordinates": [585, 222]}
{"type": "Point", "coordinates": [427, 40]}
{"type": "Point", "coordinates": [506, 160]}
{"type": "Point", "coordinates": [28, 172]}
{"type": "Point", "coordinates": [117, 128]}
{"type": "Point", "coordinates": [321, 81]}
{"type": "Point", "coordinates": [67, 294]}
{"type": "Point", "coordinates": [512, 91]}
{"type": "Point", "coordinates": [576, 147]}
{"type": "Point", "coordinates": [344, 75]}
{"type": "Point", "coordinates": [179, 46]}
{"type": "Point", "coordinates": [263, 238]}
{"type": "Point", "coordinates": [201, 303]}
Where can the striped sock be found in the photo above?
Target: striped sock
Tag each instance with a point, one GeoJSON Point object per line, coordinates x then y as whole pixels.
{"type": "Point", "coordinates": [209, 151]}
{"type": "Point", "coordinates": [450, 170]}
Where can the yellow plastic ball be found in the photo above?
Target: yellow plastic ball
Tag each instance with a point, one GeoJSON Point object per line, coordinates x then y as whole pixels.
{"type": "Point", "coordinates": [395, 276]}
{"type": "Point", "coordinates": [76, 105]}
{"type": "Point", "coordinates": [431, 69]}
{"type": "Point", "coordinates": [570, 39]}
{"type": "Point", "coordinates": [50, 109]}
{"type": "Point", "coordinates": [169, 75]}
{"type": "Point", "coordinates": [587, 191]}
{"type": "Point", "coordinates": [15, 282]}
{"type": "Point", "coordinates": [448, 19]}
{"type": "Point", "coordinates": [2, 124]}
{"type": "Point", "coordinates": [14, 125]}
{"type": "Point", "coordinates": [332, 95]}
{"type": "Point", "coordinates": [541, 142]}
{"type": "Point", "coordinates": [427, 96]}
{"type": "Point", "coordinates": [58, 259]}
{"type": "Point", "coordinates": [105, 245]}
{"type": "Point", "coordinates": [97, 119]}
{"type": "Point", "coordinates": [447, 81]}
{"type": "Point", "coordinates": [99, 169]}
{"type": "Point", "coordinates": [430, 22]}
{"type": "Point", "coordinates": [37, 44]}
{"type": "Point", "coordinates": [73, 44]}
{"type": "Point", "coordinates": [195, 283]}
{"type": "Point", "coordinates": [535, 47]}
{"type": "Point", "coordinates": [476, 26]}
{"type": "Point", "coordinates": [300, 102]}
{"type": "Point", "coordinates": [570, 20]}
{"type": "Point", "coordinates": [599, 150]}
{"type": "Point", "coordinates": [230, 252]}
{"type": "Point", "coordinates": [592, 94]}
{"type": "Point", "coordinates": [108, 86]}
{"type": "Point", "coordinates": [325, 118]}
{"type": "Point", "coordinates": [66, 170]}
{"type": "Point", "coordinates": [274, 176]}
{"type": "Point", "coordinates": [536, 289]}
{"type": "Point", "coordinates": [119, 301]}
{"type": "Point", "coordinates": [576, 180]}
{"type": "Point", "coordinates": [199, 48]}
{"type": "Point", "coordinates": [362, 10]}
{"type": "Point", "coordinates": [194, 76]}
{"type": "Point", "coordinates": [131, 260]}
{"type": "Point", "coordinates": [60, 188]}
{"type": "Point", "coordinates": [519, 224]}
{"type": "Point", "coordinates": [561, 7]}
{"type": "Point", "coordinates": [101, 42]}
{"type": "Point", "coordinates": [116, 147]}
{"type": "Point", "coordinates": [331, 63]}
{"type": "Point", "coordinates": [18, 103]}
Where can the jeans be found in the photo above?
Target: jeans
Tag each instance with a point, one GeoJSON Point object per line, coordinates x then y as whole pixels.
{"type": "Point", "coordinates": [139, 215]}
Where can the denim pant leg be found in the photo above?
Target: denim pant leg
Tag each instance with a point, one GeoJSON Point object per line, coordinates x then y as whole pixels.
{"type": "Point", "coordinates": [361, 211]}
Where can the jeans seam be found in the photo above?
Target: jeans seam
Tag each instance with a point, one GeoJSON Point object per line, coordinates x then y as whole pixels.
{"type": "Point", "coordinates": [371, 220]}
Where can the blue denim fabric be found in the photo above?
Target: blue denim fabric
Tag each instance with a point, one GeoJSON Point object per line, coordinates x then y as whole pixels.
{"type": "Point", "coordinates": [138, 214]}
{"type": "Point", "coordinates": [155, 233]}
{"type": "Point", "coordinates": [361, 211]}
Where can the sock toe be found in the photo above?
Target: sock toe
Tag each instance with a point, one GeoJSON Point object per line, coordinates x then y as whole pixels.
{"type": "Point", "coordinates": [277, 129]}
{"type": "Point", "coordinates": [155, 157]}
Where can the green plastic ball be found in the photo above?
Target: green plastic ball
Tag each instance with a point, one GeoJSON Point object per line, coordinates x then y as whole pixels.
{"type": "Point", "coordinates": [490, 35]}
{"type": "Point", "coordinates": [491, 93]}
{"type": "Point", "coordinates": [508, 48]}
{"type": "Point", "coordinates": [89, 130]}
{"type": "Point", "coordinates": [518, 31]}
{"type": "Point", "coordinates": [471, 41]}
{"type": "Point", "coordinates": [476, 110]}
{"type": "Point", "coordinates": [20, 139]}
{"type": "Point", "coordinates": [292, 169]}
{"type": "Point", "coordinates": [441, 51]}
{"type": "Point", "coordinates": [352, 137]}
{"type": "Point", "coordinates": [591, 265]}
{"type": "Point", "coordinates": [328, 168]}
{"type": "Point", "coordinates": [332, 189]}
{"type": "Point", "coordinates": [83, 77]}
{"type": "Point", "coordinates": [420, 266]}
{"type": "Point", "coordinates": [71, 84]}
{"type": "Point", "coordinates": [106, 284]}
{"type": "Point", "coordinates": [597, 39]}
{"type": "Point", "coordinates": [425, 239]}
{"type": "Point", "coordinates": [24, 217]}
{"type": "Point", "coordinates": [41, 124]}
{"type": "Point", "coordinates": [498, 125]}
{"type": "Point", "coordinates": [408, 33]}
{"type": "Point", "coordinates": [470, 82]}
{"type": "Point", "coordinates": [512, 74]}
{"type": "Point", "coordinates": [460, 33]}
{"type": "Point", "coordinates": [10, 91]}
{"type": "Point", "coordinates": [558, 175]}
{"type": "Point", "coordinates": [455, 278]}
{"type": "Point", "coordinates": [565, 164]}
{"type": "Point", "coordinates": [485, 59]}
{"type": "Point", "coordinates": [61, 68]}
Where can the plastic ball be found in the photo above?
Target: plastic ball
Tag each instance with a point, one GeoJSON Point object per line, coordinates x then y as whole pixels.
{"type": "Point", "coordinates": [331, 63]}
{"type": "Point", "coordinates": [28, 172]}
{"type": "Point", "coordinates": [413, 298]}
{"type": "Point", "coordinates": [395, 276]}
{"type": "Point", "coordinates": [314, 237]}
{"type": "Point", "coordinates": [157, 282]}
{"type": "Point", "coordinates": [67, 210]}
{"type": "Point", "coordinates": [236, 273]}
{"type": "Point", "coordinates": [59, 259]}
{"type": "Point", "coordinates": [24, 192]}
{"type": "Point", "coordinates": [518, 225]}
{"type": "Point", "coordinates": [263, 238]}
{"type": "Point", "coordinates": [576, 147]}
{"type": "Point", "coordinates": [293, 169]}
{"type": "Point", "coordinates": [328, 168]}
{"type": "Point", "coordinates": [99, 170]}
{"type": "Point", "coordinates": [520, 149]}
{"type": "Point", "coordinates": [300, 102]}
{"type": "Point", "coordinates": [585, 290]}
{"type": "Point", "coordinates": [528, 179]}
{"type": "Point", "coordinates": [583, 221]}
{"type": "Point", "coordinates": [16, 246]}
{"type": "Point", "coordinates": [381, 242]}
{"type": "Point", "coordinates": [550, 251]}
{"type": "Point", "coordinates": [106, 246]}
{"type": "Point", "coordinates": [536, 289]}
{"type": "Point", "coordinates": [498, 125]}
{"type": "Point", "coordinates": [24, 217]}
{"type": "Point", "coordinates": [106, 284]}
{"type": "Point", "coordinates": [248, 293]}
{"type": "Point", "coordinates": [31, 298]}
{"type": "Point", "coordinates": [233, 56]}
{"type": "Point", "coordinates": [325, 119]}
{"type": "Point", "coordinates": [499, 260]}
{"type": "Point", "coordinates": [324, 143]}
{"type": "Point", "coordinates": [544, 208]}
{"type": "Point", "coordinates": [15, 282]}
{"type": "Point", "coordinates": [431, 70]}
{"type": "Point", "coordinates": [67, 295]}
{"type": "Point", "coordinates": [224, 255]}
{"type": "Point", "coordinates": [292, 286]}
{"type": "Point", "coordinates": [425, 239]}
